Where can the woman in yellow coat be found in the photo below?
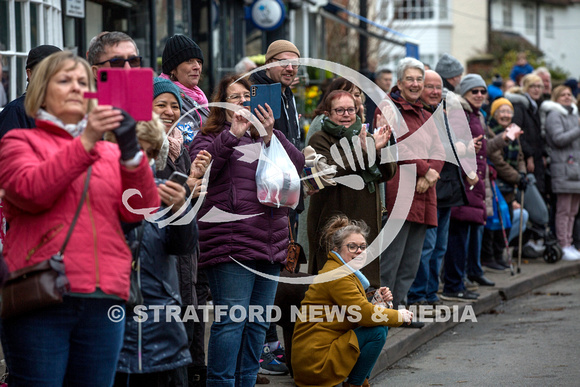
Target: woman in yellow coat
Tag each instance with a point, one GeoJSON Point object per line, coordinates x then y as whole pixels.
{"type": "Point", "coordinates": [339, 333]}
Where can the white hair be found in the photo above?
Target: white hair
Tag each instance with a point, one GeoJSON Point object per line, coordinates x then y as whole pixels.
{"type": "Point", "coordinates": [409, 63]}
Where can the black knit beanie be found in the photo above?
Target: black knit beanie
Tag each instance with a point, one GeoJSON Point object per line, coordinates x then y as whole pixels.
{"type": "Point", "coordinates": [178, 49]}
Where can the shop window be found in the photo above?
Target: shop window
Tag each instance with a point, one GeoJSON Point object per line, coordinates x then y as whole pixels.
{"type": "Point", "coordinates": [25, 24]}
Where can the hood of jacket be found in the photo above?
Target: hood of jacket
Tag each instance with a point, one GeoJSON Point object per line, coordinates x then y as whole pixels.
{"type": "Point", "coordinates": [551, 106]}
{"type": "Point", "coordinates": [518, 98]}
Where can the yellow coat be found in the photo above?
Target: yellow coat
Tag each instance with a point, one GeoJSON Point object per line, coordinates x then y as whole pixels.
{"type": "Point", "coordinates": [324, 353]}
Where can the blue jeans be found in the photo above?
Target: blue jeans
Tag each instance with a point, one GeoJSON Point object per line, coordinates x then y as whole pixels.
{"type": "Point", "coordinates": [235, 346]}
{"type": "Point", "coordinates": [515, 230]}
{"type": "Point", "coordinates": [464, 241]}
{"type": "Point", "coordinates": [426, 283]}
{"type": "Point", "coordinates": [72, 344]}
{"type": "Point", "coordinates": [371, 341]}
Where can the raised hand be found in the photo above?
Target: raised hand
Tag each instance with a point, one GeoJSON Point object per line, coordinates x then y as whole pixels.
{"type": "Point", "coordinates": [266, 117]}
{"type": "Point", "coordinates": [381, 136]}
{"type": "Point", "coordinates": [101, 119]}
{"type": "Point", "coordinates": [200, 164]}
{"type": "Point", "coordinates": [240, 123]}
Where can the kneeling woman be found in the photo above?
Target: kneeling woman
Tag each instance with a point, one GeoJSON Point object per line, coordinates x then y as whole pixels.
{"type": "Point", "coordinates": [326, 352]}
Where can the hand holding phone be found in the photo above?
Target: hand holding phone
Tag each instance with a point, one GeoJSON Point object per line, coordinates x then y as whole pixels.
{"type": "Point", "coordinates": [178, 177]}
{"type": "Point", "coordinates": [130, 90]}
{"type": "Point", "coordinates": [266, 94]}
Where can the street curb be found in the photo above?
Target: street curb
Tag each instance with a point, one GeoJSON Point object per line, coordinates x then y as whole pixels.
{"type": "Point", "coordinates": [404, 343]}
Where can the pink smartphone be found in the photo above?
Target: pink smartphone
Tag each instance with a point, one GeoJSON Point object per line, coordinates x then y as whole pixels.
{"type": "Point", "coordinates": [512, 130]}
{"type": "Point", "coordinates": [130, 90]}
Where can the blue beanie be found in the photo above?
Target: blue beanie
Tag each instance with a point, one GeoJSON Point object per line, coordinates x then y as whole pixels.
{"type": "Point", "coordinates": [161, 85]}
{"type": "Point", "coordinates": [572, 83]}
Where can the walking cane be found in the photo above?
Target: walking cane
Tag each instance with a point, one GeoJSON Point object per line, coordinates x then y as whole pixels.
{"type": "Point", "coordinates": [521, 228]}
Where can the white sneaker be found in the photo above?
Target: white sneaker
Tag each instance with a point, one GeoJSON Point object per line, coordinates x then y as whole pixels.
{"type": "Point", "coordinates": [570, 254]}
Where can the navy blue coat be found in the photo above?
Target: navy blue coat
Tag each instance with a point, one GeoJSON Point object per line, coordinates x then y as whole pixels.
{"type": "Point", "coordinates": [164, 344]}
{"type": "Point", "coordinates": [13, 116]}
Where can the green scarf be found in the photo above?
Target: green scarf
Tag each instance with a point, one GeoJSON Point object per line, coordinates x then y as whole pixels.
{"type": "Point", "coordinates": [371, 174]}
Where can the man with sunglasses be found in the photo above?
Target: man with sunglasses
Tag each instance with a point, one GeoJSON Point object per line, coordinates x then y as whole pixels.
{"type": "Point", "coordinates": [113, 49]}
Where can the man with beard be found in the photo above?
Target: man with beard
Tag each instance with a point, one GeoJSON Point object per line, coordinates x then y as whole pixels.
{"type": "Point", "coordinates": [285, 54]}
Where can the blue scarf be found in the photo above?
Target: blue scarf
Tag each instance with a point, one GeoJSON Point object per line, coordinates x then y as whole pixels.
{"type": "Point", "coordinates": [363, 280]}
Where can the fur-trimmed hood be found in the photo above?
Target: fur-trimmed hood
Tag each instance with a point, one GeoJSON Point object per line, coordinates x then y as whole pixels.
{"type": "Point", "coordinates": [551, 106]}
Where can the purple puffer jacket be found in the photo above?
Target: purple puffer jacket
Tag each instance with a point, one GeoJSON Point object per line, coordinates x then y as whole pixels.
{"type": "Point", "coordinates": [232, 188]}
{"type": "Point", "coordinates": [475, 210]}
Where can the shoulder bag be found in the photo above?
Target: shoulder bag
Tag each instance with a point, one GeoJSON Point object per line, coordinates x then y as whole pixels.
{"type": "Point", "coordinates": [43, 284]}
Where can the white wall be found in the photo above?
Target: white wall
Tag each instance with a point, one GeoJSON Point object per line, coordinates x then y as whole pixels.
{"type": "Point", "coordinates": [469, 33]}
{"type": "Point", "coordinates": [563, 48]}
{"type": "Point", "coordinates": [462, 34]}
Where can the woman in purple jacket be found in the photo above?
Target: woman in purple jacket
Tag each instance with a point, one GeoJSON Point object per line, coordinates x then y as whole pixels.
{"type": "Point", "coordinates": [466, 224]}
{"type": "Point", "coordinates": [250, 233]}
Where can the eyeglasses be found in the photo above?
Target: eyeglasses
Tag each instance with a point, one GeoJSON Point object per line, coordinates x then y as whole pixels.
{"type": "Point", "coordinates": [341, 111]}
{"type": "Point", "coordinates": [134, 61]}
{"type": "Point", "coordinates": [536, 87]}
{"type": "Point", "coordinates": [412, 80]}
{"type": "Point", "coordinates": [478, 91]}
{"type": "Point", "coordinates": [507, 112]}
{"type": "Point", "coordinates": [353, 247]}
{"type": "Point", "coordinates": [287, 62]}
{"type": "Point", "coordinates": [433, 87]}
{"type": "Point", "coordinates": [237, 97]}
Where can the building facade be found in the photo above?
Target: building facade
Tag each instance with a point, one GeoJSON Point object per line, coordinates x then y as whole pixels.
{"type": "Point", "coordinates": [550, 25]}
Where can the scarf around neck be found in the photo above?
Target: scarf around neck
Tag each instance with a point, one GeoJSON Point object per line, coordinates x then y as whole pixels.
{"type": "Point", "coordinates": [196, 93]}
{"type": "Point", "coordinates": [363, 280]}
{"type": "Point", "coordinates": [370, 175]}
{"type": "Point", "coordinates": [175, 142]}
{"type": "Point", "coordinates": [75, 130]}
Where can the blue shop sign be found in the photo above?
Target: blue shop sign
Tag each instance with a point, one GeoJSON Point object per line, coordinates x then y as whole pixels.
{"type": "Point", "coordinates": [267, 15]}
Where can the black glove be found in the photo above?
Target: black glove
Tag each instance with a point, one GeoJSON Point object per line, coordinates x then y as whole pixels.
{"type": "Point", "coordinates": [523, 183]}
{"type": "Point", "coordinates": [127, 137]}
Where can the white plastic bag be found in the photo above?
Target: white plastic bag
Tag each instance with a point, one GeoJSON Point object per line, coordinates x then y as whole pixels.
{"type": "Point", "coordinates": [277, 180]}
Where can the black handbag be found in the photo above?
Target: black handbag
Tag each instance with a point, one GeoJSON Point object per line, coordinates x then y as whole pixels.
{"type": "Point", "coordinates": [43, 284]}
{"type": "Point", "coordinates": [135, 295]}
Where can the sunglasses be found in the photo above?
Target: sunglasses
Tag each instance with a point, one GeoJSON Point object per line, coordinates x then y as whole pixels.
{"type": "Point", "coordinates": [134, 61]}
{"type": "Point", "coordinates": [478, 91]}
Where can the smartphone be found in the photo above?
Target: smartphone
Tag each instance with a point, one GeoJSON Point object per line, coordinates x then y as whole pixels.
{"type": "Point", "coordinates": [178, 177]}
{"type": "Point", "coordinates": [130, 90]}
{"type": "Point", "coordinates": [270, 94]}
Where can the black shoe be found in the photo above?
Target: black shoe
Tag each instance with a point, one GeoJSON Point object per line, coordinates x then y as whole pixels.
{"type": "Point", "coordinates": [465, 295]}
{"type": "Point", "coordinates": [493, 266]}
{"type": "Point", "coordinates": [414, 324]}
{"type": "Point", "coordinates": [503, 263]}
{"type": "Point", "coordinates": [481, 280]}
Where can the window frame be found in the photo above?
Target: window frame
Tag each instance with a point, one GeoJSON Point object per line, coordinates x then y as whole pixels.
{"type": "Point", "coordinates": [49, 31]}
